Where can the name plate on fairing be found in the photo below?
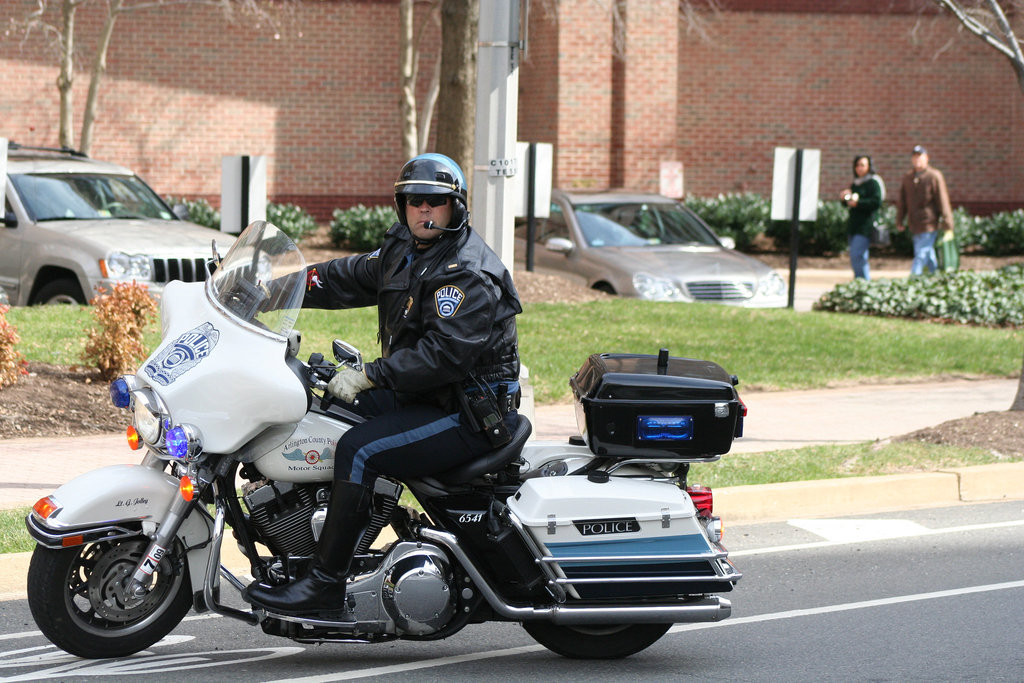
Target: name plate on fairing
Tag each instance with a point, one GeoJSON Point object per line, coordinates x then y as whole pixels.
{"type": "Point", "coordinates": [597, 527]}
{"type": "Point", "coordinates": [307, 455]}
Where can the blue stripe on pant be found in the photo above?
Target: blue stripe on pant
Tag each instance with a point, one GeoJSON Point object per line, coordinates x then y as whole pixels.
{"type": "Point", "coordinates": [396, 441]}
{"type": "Point", "coordinates": [403, 440]}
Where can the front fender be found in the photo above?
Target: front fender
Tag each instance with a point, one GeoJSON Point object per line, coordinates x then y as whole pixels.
{"type": "Point", "coordinates": [121, 501]}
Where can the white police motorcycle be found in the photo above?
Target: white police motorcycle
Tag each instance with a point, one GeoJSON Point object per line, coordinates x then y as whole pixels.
{"type": "Point", "coordinates": [596, 545]}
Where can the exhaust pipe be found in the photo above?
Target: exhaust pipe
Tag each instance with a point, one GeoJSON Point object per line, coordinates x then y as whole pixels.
{"type": "Point", "coordinates": [707, 608]}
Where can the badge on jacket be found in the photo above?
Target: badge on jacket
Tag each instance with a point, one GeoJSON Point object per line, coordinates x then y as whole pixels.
{"type": "Point", "coordinates": [448, 299]}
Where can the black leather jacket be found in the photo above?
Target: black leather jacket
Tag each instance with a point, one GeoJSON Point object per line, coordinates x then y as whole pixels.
{"type": "Point", "coordinates": [447, 317]}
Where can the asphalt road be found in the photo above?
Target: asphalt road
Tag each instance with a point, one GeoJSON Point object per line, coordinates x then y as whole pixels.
{"type": "Point", "coordinates": [929, 595]}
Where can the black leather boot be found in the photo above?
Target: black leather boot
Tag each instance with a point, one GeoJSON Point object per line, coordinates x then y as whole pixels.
{"type": "Point", "coordinates": [322, 589]}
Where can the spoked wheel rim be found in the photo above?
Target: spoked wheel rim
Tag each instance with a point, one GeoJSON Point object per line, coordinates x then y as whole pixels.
{"type": "Point", "coordinates": [92, 590]}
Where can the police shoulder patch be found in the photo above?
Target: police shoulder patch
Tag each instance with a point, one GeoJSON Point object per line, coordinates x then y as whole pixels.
{"type": "Point", "coordinates": [448, 299]}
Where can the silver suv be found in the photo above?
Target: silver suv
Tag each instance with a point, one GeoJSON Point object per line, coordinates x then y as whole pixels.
{"type": "Point", "coordinates": [73, 225]}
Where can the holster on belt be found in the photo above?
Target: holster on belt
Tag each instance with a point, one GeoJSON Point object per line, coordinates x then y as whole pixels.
{"type": "Point", "coordinates": [483, 411]}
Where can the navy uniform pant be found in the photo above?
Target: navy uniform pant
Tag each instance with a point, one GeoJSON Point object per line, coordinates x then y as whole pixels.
{"type": "Point", "coordinates": [403, 440]}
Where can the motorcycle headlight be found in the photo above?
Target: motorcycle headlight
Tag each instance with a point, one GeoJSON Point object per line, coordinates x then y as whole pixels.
{"type": "Point", "coordinates": [657, 288]}
{"type": "Point", "coordinates": [148, 423]}
{"type": "Point", "coordinates": [150, 417]}
{"type": "Point", "coordinates": [121, 266]}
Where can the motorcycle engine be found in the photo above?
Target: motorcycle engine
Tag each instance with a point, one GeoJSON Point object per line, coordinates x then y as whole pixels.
{"type": "Point", "coordinates": [418, 591]}
{"type": "Point", "coordinates": [282, 513]}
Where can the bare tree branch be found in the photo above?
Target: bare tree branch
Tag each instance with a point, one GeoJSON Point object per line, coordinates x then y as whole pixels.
{"type": "Point", "coordinates": [977, 20]}
{"type": "Point", "coordinates": [61, 36]}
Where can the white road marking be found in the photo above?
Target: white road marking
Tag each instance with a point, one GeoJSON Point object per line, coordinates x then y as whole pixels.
{"type": "Point", "coordinates": [855, 530]}
{"type": "Point", "coordinates": [922, 532]}
{"type": "Point", "coordinates": [829, 609]}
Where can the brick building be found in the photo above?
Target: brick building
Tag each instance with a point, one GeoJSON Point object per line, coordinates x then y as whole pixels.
{"type": "Point", "coordinates": [318, 95]}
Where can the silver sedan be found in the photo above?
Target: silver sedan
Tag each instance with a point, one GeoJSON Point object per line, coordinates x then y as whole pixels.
{"type": "Point", "coordinates": [646, 246]}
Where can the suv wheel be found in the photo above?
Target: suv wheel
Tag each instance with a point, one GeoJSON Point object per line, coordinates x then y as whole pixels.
{"type": "Point", "coordinates": [59, 292]}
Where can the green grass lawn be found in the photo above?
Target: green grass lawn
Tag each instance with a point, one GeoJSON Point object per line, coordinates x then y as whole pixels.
{"type": "Point", "coordinates": [766, 349]}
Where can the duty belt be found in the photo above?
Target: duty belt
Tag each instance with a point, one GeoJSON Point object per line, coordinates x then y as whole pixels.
{"type": "Point", "coordinates": [507, 395]}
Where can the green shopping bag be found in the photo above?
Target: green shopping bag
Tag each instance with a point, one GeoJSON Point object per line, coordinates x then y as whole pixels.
{"type": "Point", "coordinates": [947, 251]}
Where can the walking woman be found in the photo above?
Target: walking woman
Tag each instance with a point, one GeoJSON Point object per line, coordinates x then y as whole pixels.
{"type": "Point", "coordinates": [864, 199]}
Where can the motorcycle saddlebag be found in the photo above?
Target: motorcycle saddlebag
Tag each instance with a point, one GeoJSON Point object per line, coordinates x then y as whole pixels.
{"type": "Point", "coordinates": [650, 407]}
{"type": "Point", "coordinates": [621, 538]}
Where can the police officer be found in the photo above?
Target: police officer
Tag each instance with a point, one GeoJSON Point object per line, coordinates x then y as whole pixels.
{"type": "Point", "coordinates": [449, 358]}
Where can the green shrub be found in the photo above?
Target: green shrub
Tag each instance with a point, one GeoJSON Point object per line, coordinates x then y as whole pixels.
{"type": "Point", "coordinates": [361, 228]}
{"type": "Point", "coordinates": [12, 365]}
{"type": "Point", "coordinates": [826, 235]}
{"type": "Point", "coordinates": [115, 344]}
{"type": "Point", "coordinates": [199, 211]}
{"type": "Point", "coordinates": [740, 216]}
{"type": "Point", "coordinates": [982, 298]}
{"type": "Point", "coordinates": [293, 220]}
{"type": "Point", "coordinates": [1000, 234]}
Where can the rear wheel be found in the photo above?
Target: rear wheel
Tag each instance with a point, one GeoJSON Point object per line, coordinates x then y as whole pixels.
{"type": "Point", "coordinates": [75, 598]}
{"type": "Point", "coordinates": [64, 291]}
{"type": "Point", "coordinates": [595, 642]}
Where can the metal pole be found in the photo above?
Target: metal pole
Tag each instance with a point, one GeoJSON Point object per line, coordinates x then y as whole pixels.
{"type": "Point", "coordinates": [531, 197]}
{"type": "Point", "coordinates": [794, 235]}
{"type": "Point", "coordinates": [497, 100]}
{"type": "Point", "coordinates": [245, 193]}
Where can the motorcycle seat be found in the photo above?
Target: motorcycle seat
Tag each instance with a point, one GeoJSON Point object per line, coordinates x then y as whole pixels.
{"type": "Point", "coordinates": [489, 462]}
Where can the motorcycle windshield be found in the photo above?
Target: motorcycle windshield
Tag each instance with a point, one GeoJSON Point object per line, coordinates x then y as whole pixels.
{"type": "Point", "coordinates": [261, 280]}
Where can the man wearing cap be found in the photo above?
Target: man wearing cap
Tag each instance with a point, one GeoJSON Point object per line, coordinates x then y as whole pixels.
{"type": "Point", "coordinates": [924, 203]}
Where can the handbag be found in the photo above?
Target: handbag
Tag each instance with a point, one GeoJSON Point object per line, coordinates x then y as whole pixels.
{"type": "Point", "coordinates": [947, 251]}
{"type": "Point", "coordinates": [880, 235]}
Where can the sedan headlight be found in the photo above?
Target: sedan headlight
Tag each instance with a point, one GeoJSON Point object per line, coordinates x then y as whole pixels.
{"type": "Point", "coordinates": [773, 285]}
{"type": "Point", "coordinates": [657, 288]}
{"type": "Point", "coordinates": [121, 266]}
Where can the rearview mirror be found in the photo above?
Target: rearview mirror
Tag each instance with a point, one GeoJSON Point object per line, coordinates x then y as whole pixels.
{"type": "Point", "coordinates": [559, 245]}
{"type": "Point", "coordinates": [10, 220]}
{"type": "Point", "coordinates": [347, 354]}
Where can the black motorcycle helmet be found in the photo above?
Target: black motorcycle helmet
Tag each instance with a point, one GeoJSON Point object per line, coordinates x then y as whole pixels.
{"type": "Point", "coordinates": [433, 174]}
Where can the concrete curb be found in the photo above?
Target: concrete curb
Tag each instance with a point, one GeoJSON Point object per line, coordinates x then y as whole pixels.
{"type": "Point", "coordinates": [759, 503]}
{"type": "Point", "coordinates": [839, 497]}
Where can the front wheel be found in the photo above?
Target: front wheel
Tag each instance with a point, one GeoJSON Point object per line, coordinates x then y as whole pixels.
{"type": "Point", "coordinates": [59, 292]}
{"type": "Point", "coordinates": [595, 642]}
{"type": "Point", "coordinates": [75, 598]}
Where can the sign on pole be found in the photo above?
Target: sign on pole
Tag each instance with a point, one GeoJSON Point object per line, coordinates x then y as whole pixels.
{"type": "Point", "coordinates": [670, 179]}
{"type": "Point", "coordinates": [785, 182]}
{"type": "Point", "coordinates": [795, 197]}
{"type": "Point", "coordinates": [3, 173]}
{"type": "Point", "coordinates": [535, 163]}
{"type": "Point", "coordinates": [243, 192]}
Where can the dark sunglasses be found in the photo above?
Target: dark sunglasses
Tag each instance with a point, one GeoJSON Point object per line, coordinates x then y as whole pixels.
{"type": "Point", "coordinates": [435, 200]}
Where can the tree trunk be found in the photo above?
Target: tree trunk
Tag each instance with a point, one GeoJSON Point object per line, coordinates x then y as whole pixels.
{"type": "Point", "coordinates": [456, 110]}
{"type": "Point", "coordinates": [99, 67]}
{"type": "Point", "coordinates": [1018, 402]}
{"type": "Point", "coordinates": [66, 76]}
{"type": "Point", "coordinates": [427, 114]}
{"type": "Point", "coordinates": [407, 68]}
